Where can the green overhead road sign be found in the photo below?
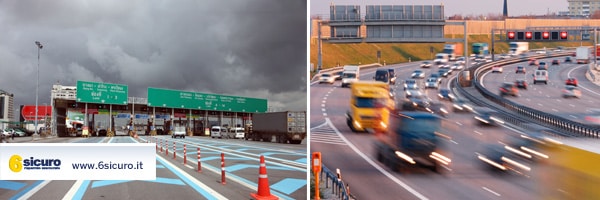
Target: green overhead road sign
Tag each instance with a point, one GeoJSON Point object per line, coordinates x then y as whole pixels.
{"type": "Point", "coordinates": [201, 101]}
{"type": "Point", "coordinates": [104, 93]}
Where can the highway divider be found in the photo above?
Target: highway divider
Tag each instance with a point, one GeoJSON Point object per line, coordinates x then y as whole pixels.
{"type": "Point", "coordinates": [563, 125]}
{"type": "Point", "coordinates": [338, 186]}
{"type": "Point", "coordinates": [337, 69]}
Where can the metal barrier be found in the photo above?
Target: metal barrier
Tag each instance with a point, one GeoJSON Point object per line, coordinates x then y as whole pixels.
{"type": "Point", "coordinates": [338, 187]}
{"type": "Point", "coordinates": [336, 69]}
{"type": "Point", "coordinates": [559, 123]}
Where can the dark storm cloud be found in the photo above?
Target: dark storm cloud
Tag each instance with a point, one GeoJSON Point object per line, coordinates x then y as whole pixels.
{"type": "Point", "coordinates": [235, 47]}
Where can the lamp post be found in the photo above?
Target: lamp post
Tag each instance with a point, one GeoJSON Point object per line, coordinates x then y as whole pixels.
{"type": "Point", "coordinates": [37, 85]}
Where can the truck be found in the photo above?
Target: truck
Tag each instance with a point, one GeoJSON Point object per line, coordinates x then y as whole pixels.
{"type": "Point", "coordinates": [350, 74]}
{"type": "Point", "coordinates": [282, 127]}
{"type": "Point", "coordinates": [480, 49]}
{"type": "Point", "coordinates": [582, 55]}
{"type": "Point", "coordinates": [370, 105]}
{"type": "Point", "coordinates": [413, 141]}
{"type": "Point", "coordinates": [517, 48]}
{"type": "Point", "coordinates": [453, 50]}
{"type": "Point", "coordinates": [441, 58]}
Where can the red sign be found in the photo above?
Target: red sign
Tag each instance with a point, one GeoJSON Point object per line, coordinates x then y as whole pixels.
{"type": "Point", "coordinates": [28, 112]}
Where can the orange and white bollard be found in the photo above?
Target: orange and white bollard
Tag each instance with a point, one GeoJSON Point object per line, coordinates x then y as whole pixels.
{"type": "Point", "coordinates": [223, 168]}
{"type": "Point", "coordinates": [184, 155]}
{"type": "Point", "coordinates": [174, 151]}
{"type": "Point", "coordinates": [199, 167]}
{"type": "Point", "coordinates": [167, 149]}
{"type": "Point", "coordinates": [161, 146]}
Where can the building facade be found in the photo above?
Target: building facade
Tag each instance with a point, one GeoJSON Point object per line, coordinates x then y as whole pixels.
{"type": "Point", "coordinates": [7, 111]}
{"type": "Point", "coordinates": [583, 7]}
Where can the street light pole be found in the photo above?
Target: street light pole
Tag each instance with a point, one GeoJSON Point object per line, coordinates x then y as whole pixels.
{"type": "Point", "coordinates": [37, 85]}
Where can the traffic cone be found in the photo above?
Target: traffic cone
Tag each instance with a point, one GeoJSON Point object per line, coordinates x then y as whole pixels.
{"type": "Point", "coordinates": [264, 192]}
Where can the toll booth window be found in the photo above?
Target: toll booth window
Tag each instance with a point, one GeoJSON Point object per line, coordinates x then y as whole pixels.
{"type": "Point", "coordinates": [370, 102]}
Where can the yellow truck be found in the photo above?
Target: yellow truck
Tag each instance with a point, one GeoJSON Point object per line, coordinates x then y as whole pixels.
{"type": "Point", "coordinates": [572, 170]}
{"type": "Point", "coordinates": [370, 106]}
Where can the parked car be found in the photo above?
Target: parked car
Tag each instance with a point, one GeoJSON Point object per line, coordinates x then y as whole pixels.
{"type": "Point", "coordinates": [521, 84]}
{"type": "Point", "coordinates": [571, 81]}
{"type": "Point", "coordinates": [571, 91]}
{"type": "Point", "coordinates": [509, 88]}
{"type": "Point", "coordinates": [326, 78]}
{"type": "Point", "coordinates": [19, 133]}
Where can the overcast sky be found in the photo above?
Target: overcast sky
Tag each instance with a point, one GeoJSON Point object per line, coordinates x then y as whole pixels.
{"type": "Point", "coordinates": [234, 47]}
{"type": "Point", "coordinates": [452, 7]}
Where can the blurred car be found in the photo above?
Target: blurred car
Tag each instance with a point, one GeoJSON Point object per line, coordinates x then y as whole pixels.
{"type": "Point", "coordinates": [418, 103]}
{"type": "Point", "coordinates": [426, 64]}
{"type": "Point", "coordinates": [438, 108]}
{"type": "Point", "coordinates": [540, 52]}
{"type": "Point", "coordinates": [508, 88]}
{"type": "Point", "coordinates": [6, 132]}
{"type": "Point", "coordinates": [460, 61]}
{"type": "Point", "coordinates": [543, 66]}
{"type": "Point", "coordinates": [410, 84]}
{"type": "Point", "coordinates": [445, 94]}
{"type": "Point", "coordinates": [432, 83]}
{"type": "Point", "coordinates": [436, 76]}
{"type": "Point", "coordinates": [533, 62]}
{"type": "Point", "coordinates": [393, 76]}
{"type": "Point", "coordinates": [460, 105]}
{"type": "Point", "coordinates": [413, 93]}
{"type": "Point", "coordinates": [571, 91]}
{"type": "Point", "coordinates": [457, 66]}
{"type": "Point", "coordinates": [444, 66]}
{"type": "Point", "coordinates": [443, 72]}
{"type": "Point", "coordinates": [497, 157]}
{"type": "Point", "coordinates": [487, 116]}
{"type": "Point", "coordinates": [555, 62]}
{"type": "Point", "coordinates": [19, 133]}
{"type": "Point", "coordinates": [521, 84]}
{"type": "Point", "coordinates": [418, 74]}
{"type": "Point", "coordinates": [571, 81]}
{"type": "Point", "coordinates": [497, 69]}
{"type": "Point", "coordinates": [326, 78]}
{"type": "Point", "coordinates": [338, 75]}
{"type": "Point", "coordinates": [568, 59]}
{"type": "Point", "coordinates": [27, 132]}
{"type": "Point", "coordinates": [179, 131]}
{"type": "Point", "coordinates": [520, 69]}
{"type": "Point", "coordinates": [504, 56]}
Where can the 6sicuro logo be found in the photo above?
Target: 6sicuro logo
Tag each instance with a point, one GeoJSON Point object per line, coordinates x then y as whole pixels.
{"type": "Point", "coordinates": [16, 163]}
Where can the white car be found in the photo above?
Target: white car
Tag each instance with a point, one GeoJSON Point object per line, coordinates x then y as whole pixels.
{"type": "Point", "coordinates": [497, 69]}
{"type": "Point", "coordinates": [432, 83]}
{"type": "Point", "coordinates": [217, 131]}
{"type": "Point", "coordinates": [237, 133]}
{"type": "Point", "coordinates": [179, 131]}
{"type": "Point", "coordinates": [540, 52]}
{"type": "Point", "coordinates": [326, 78]}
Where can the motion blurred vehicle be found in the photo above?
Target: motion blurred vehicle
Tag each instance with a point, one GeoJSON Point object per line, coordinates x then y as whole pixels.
{"type": "Point", "coordinates": [460, 61]}
{"type": "Point", "coordinates": [571, 91]}
{"type": "Point", "coordinates": [520, 69]}
{"type": "Point", "coordinates": [393, 76]}
{"type": "Point", "coordinates": [382, 75]}
{"type": "Point", "coordinates": [18, 133]}
{"type": "Point", "coordinates": [540, 76]}
{"type": "Point", "coordinates": [338, 75]}
{"type": "Point", "coordinates": [498, 158]}
{"type": "Point", "coordinates": [416, 103]}
{"type": "Point", "coordinates": [540, 52]}
{"type": "Point", "coordinates": [370, 105]}
{"type": "Point", "coordinates": [542, 66]}
{"type": "Point", "coordinates": [528, 145]}
{"type": "Point", "coordinates": [432, 83]}
{"type": "Point", "coordinates": [413, 141]}
{"type": "Point", "coordinates": [460, 105]}
{"type": "Point", "coordinates": [418, 74]}
{"type": "Point", "coordinates": [568, 59]}
{"type": "Point", "coordinates": [6, 132]}
{"type": "Point", "coordinates": [236, 133]}
{"type": "Point", "coordinates": [438, 108]}
{"type": "Point", "coordinates": [456, 66]}
{"type": "Point", "coordinates": [350, 75]}
{"type": "Point", "coordinates": [178, 131]}
{"type": "Point", "coordinates": [571, 81]}
{"type": "Point", "coordinates": [445, 94]}
{"type": "Point", "coordinates": [555, 62]}
{"type": "Point", "coordinates": [436, 76]}
{"type": "Point", "coordinates": [504, 56]}
{"type": "Point", "coordinates": [217, 132]}
{"type": "Point", "coordinates": [521, 84]}
{"type": "Point", "coordinates": [27, 132]}
{"type": "Point", "coordinates": [426, 64]}
{"type": "Point", "coordinates": [497, 69]}
{"type": "Point", "coordinates": [410, 84]}
{"type": "Point", "coordinates": [443, 72]}
{"type": "Point", "coordinates": [413, 93]}
{"type": "Point", "coordinates": [326, 78]}
{"type": "Point", "coordinates": [509, 88]}
{"type": "Point", "coordinates": [533, 61]}
{"type": "Point", "coordinates": [487, 116]}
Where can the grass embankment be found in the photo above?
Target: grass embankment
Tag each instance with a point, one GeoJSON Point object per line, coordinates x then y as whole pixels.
{"type": "Point", "coordinates": [364, 53]}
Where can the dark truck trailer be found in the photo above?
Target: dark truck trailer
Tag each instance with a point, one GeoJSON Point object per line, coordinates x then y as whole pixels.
{"type": "Point", "coordinates": [283, 127]}
{"type": "Point", "coordinates": [412, 141]}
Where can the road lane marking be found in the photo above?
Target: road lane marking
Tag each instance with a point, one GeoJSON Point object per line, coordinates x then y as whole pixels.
{"type": "Point", "coordinates": [323, 101]}
{"type": "Point", "coordinates": [569, 75]}
{"type": "Point", "coordinates": [29, 191]}
{"type": "Point", "coordinates": [478, 132]}
{"type": "Point", "coordinates": [459, 123]}
{"type": "Point", "coordinates": [77, 190]}
{"type": "Point", "coordinates": [375, 165]}
{"type": "Point", "coordinates": [322, 105]}
{"type": "Point", "coordinates": [323, 109]}
{"type": "Point", "coordinates": [554, 110]}
{"type": "Point", "coordinates": [571, 105]}
{"type": "Point", "coordinates": [573, 116]}
{"type": "Point", "coordinates": [491, 191]}
{"type": "Point", "coordinates": [453, 141]}
{"type": "Point", "coordinates": [325, 114]}
{"type": "Point", "coordinates": [539, 104]}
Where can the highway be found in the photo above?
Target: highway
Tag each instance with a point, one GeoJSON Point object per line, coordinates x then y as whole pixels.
{"type": "Point", "coordinates": [548, 98]}
{"type": "Point", "coordinates": [286, 167]}
{"type": "Point", "coordinates": [353, 153]}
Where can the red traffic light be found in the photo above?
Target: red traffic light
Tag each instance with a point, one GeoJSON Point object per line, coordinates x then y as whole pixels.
{"type": "Point", "coordinates": [527, 35]}
{"type": "Point", "coordinates": [545, 35]}
{"type": "Point", "coordinates": [511, 35]}
{"type": "Point", "coordinates": [563, 35]}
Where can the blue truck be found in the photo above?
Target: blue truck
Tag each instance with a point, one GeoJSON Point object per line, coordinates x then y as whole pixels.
{"type": "Point", "coordinates": [413, 140]}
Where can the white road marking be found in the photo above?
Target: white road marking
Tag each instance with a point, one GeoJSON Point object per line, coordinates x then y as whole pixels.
{"type": "Point", "coordinates": [478, 132]}
{"type": "Point", "coordinates": [539, 104]}
{"type": "Point", "coordinates": [571, 105]}
{"type": "Point", "coordinates": [71, 193]}
{"type": "Point", "coordinates": [491, 191]}
{"type": "Point", "coordinates": [324, 98]}
{"type": "Point", "coordinates": [459, 123]}
{"type": "Point", "coordinates": [325, 114]}
{"type": "Point", "coordinates": [558, 100]}
{"type": "Point", "coordinates": [35, 190]}
{"type": "Point", "coordinates": [569, 75]}
{"type": "Point", "coordinates": [554, 110]}
{"type": "Point", "coordinates": [573, 116]}
{"type": "Point", "coordinates": [453, 141]}
{"type": "Point", "coordinates": [323, 109]}
{"type": "Point", "coordinates": [528, 99]}
{"type": "Point", "coordinates": [322, 105]}
{"type": "Point", "coordinates": [323, 101]}
{"type": "Point", "coordinates": [548, 96]}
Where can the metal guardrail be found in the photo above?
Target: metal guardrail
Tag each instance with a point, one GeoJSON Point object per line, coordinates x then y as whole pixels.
{"type": "Point", "coordinates": [559, 123]}
{"type": "Point", "coordinates": [338, 187]}
{"type": "Point", "coordinates": [336, 69]}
